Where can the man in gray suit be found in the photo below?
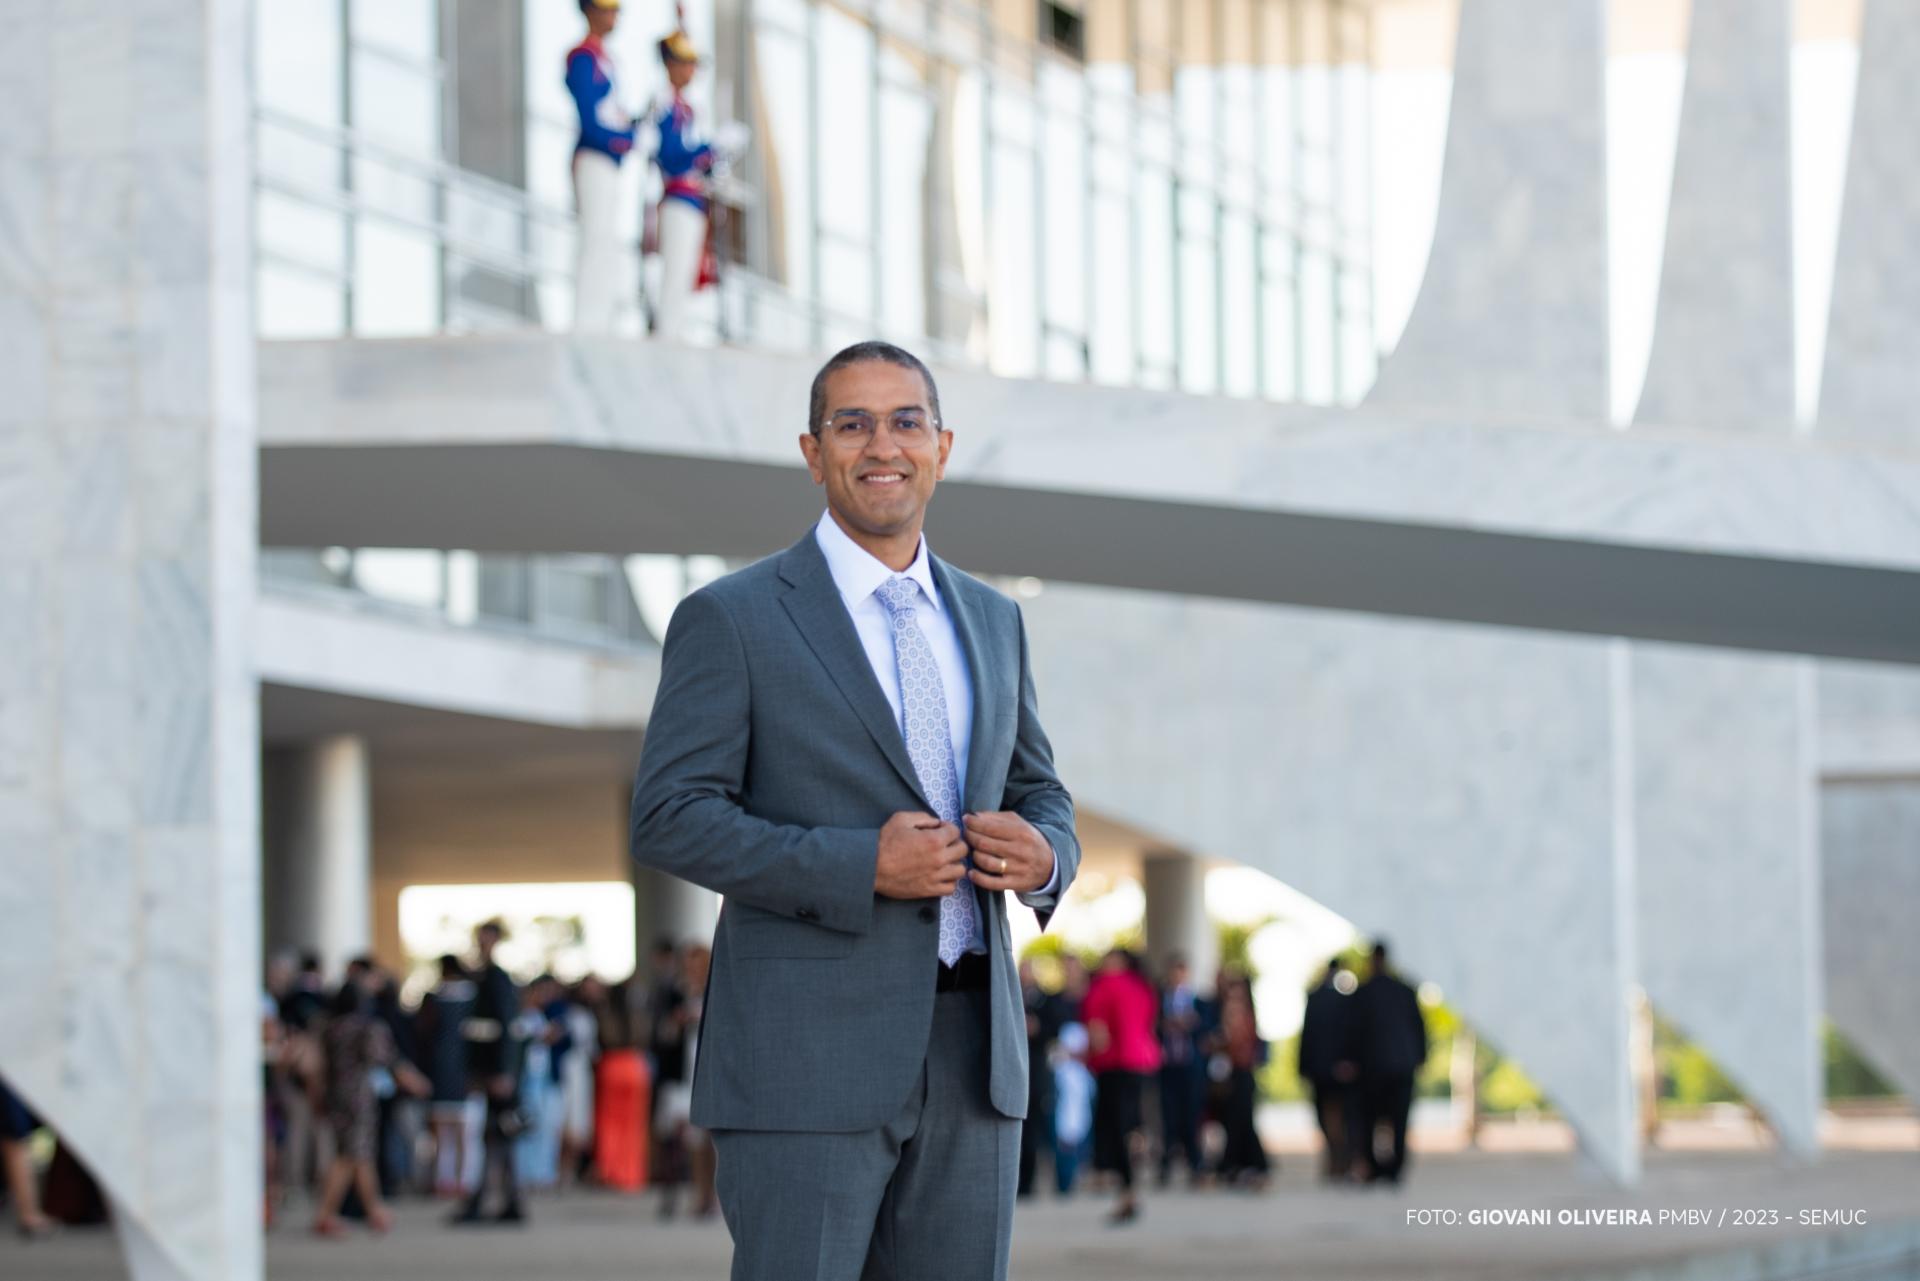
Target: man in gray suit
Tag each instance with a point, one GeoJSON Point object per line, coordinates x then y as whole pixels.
{"type": "Point", "coordinates": [845, 744]}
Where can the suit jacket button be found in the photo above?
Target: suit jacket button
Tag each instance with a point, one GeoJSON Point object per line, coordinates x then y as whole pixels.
{"type": "Point", "coordinates": [807, 914]}
{"type": "Point", "coordinates": [927, 914]}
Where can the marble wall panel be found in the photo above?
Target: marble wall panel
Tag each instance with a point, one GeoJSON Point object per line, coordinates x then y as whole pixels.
{"type": "Point", "coordinates": [1512, 312]}
{"type": "Point", "coordinates": [1870, 880]}
{"type": "Point", "coordinates": [1725, 764]}
{"type": "Point", "coordinates": [1728, 868]}
{"type": "Point", "coordinates": [1456, 790]}
{"type": "Point", "coordinates": [1871, 384]}
{"type": "Point", "coordinates": [128, 838]}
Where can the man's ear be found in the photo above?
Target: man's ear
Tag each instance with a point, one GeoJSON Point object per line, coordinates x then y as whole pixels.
{"type": "Point", "coordinates": [946, 447]}
{"type": "Point", "coordinates": [810, 450]}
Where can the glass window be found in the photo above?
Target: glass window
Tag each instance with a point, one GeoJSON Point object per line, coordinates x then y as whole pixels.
{"type": "Point", "coordinates": [296, 66]}
{"type": "Point", "coordinates": [406, 192]}
{"type": "Point", "coordinates": [1199, 298]}
{"type": "Point", "coordinates": [313, 165]}
{"type": "Point", "coordinates": [396, 280]}
{"type": "Point", "coordinates": [787, 152]}
{"type": "Point", "coordinates": [406, 575]}
{"type": "Point", "coordinates": [396, 105]}
{"type": "Point", "coordinates": [1013, 307]}
{"type": "Point", "coordinates": [1317, 384]}
{"type": "Point", "coordinates": [1156, 271]}
{"type": "Point", "coordinates": [1240, 358]}
{"type": "Point", "coordinates": [843, 147]}
{"type": "Point", "coordinates": [505, 587]}
{"type": "Point", "coordinates": [906, 127]}
{"type": "Point", "coordinates": [846, 279]}
{"type": "Point", "coordinates": [305, 233]}
{"type": "Point", "coordinates": [1280, 334]}
{"type": "Point", "coordinates": [407, 27]}
{"type": "Point", "coordinates": [1110, 332]}
{"type": "Point", "coordinates": [1064, 172]}
{"type": "Point", "coordinates": [574, 595]}
{"type": "Point", "coordinates": [295, 303]}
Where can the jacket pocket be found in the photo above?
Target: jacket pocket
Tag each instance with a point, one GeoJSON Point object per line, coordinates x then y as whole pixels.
{"type": "Point", "coordinates": [774, 936]}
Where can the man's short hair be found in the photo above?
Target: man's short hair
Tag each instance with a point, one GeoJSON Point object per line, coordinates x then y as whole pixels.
{"type": "Point", "coordinates": [858, 354]}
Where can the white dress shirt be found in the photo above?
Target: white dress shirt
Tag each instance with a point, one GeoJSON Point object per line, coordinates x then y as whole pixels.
{"type": "Point", "coordinates": [857, 573]}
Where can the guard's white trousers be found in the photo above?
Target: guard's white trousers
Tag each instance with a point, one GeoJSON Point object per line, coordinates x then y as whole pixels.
{"type": "Point", "coordinates": [598, 267]}
{"type": "Point", "coordinates": [683, 238]}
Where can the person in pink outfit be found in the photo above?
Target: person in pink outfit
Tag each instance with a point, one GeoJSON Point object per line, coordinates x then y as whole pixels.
{"type": "Point", "coordinates": [1120, 1013]}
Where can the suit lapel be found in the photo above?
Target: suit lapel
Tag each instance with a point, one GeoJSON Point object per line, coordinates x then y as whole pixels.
{"type": "Point", "coordinates": [971, 629]}
{"type": "Point", "coordinates": [814, 604]}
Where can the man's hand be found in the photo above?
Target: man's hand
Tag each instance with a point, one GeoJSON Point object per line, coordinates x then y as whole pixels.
{"type": "Point", "coordinates": [920, 857]}
{"type": "Point", "coordinates": [1008, 852]}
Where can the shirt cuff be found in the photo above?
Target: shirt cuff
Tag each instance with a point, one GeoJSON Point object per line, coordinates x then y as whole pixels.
{"type": "Point", "coordinates": [1048, 890]}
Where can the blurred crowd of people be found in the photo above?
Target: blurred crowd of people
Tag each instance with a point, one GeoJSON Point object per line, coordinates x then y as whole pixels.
{"type": "Point", "coordinates": [483, 1090]}
{"type": "Point", "coordinates": [1126, 1068]}
{"type": "Point", "coordinates": [1107, 1047]}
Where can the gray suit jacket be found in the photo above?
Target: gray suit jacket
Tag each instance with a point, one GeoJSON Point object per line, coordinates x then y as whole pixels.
{"type": "Point", "coordinates": [771, 761]}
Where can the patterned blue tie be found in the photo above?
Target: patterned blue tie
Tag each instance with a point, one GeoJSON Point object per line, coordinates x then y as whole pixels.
{"type": "Point", "coordinates": [923, 709]}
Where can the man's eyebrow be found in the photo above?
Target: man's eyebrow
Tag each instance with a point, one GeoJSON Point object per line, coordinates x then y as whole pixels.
{"type": "Point", "coordinates": [903, 409]}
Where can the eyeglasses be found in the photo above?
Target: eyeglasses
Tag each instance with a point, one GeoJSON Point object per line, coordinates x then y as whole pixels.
{"type": "Point", "coordinates": [909, 427]}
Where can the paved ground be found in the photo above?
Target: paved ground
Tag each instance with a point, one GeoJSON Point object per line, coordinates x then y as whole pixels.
{"type": "Point", "coordinates": [1295, 1230]}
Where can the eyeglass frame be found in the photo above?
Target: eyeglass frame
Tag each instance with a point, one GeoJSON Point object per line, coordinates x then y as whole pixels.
{"type": "Point", "coordinates": [825, 430]}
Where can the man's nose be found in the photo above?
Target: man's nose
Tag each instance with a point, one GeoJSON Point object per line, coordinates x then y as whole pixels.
{"type": "Point", "coordinates": [881, 446]}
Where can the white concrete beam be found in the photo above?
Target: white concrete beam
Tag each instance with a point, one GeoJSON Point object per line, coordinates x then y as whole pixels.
{"type": "Point", "coordinates": [531, 443]}
{"type": "Point", "coordinates": [320, 642]}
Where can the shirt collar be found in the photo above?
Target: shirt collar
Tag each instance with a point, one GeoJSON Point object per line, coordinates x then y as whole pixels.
{"type": "Point", "coordinates": [857, 572]}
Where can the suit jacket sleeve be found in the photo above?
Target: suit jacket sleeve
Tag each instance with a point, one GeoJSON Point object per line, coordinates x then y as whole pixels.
{"type": "Point", "coordinates": [687, 816]}
{"type": "Point", "coordinates": [1034, 791]}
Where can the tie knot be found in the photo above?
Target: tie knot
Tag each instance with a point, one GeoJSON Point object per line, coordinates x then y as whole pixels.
{"type": "Point", "coordinates": [898, 594]}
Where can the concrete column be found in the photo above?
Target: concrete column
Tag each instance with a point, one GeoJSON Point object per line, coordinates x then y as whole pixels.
{"type": "Point", "coordinates": [1870, 865]}
{"type": "Point", "coordinates": [129, 736]}
{"type": "Point", "coordinates": [320, 850]}
{"type": "Point", "coordinates": [1176, 887]}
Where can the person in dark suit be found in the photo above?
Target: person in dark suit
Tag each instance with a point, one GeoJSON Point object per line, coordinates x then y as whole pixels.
{"type": "Point", "coordinates": [1390, 1044]}
{"type": "Point", "coordinates": [495, 1051]}
{"type": "Point", "coordinates": [1183, 1072]}
{"type": "Point", "coordinates": [846, 745]}
{"type": "Point", "coordinates": [1035, 1128]}
{"type": "Point", "coordinates": [1325, 1065]}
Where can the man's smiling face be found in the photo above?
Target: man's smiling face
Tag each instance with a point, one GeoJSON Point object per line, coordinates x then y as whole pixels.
{"type": "Point", "coordinates": [878, 449]}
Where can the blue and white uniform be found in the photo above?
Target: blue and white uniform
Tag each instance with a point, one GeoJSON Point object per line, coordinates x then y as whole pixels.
{"type": "Point", "coordinates": [683, 155]}
{"type": "Point", "coordinates": [604, 126]}
{"type": "Point", "coordinates": [602, 273]}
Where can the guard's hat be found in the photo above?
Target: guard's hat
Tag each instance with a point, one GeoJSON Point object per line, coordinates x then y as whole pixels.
{"type": "Point", "coordinates": [678, 48]}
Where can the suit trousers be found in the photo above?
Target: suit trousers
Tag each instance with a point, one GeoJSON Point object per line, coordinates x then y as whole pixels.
{"type": "Point", "coordinates": [927, 1195]}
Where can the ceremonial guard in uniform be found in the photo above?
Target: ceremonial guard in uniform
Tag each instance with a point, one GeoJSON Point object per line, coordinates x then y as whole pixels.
{"type": "Point", "coordinates": [686, 161]}
{"type": "Point", "coordinates": [606, 135]}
